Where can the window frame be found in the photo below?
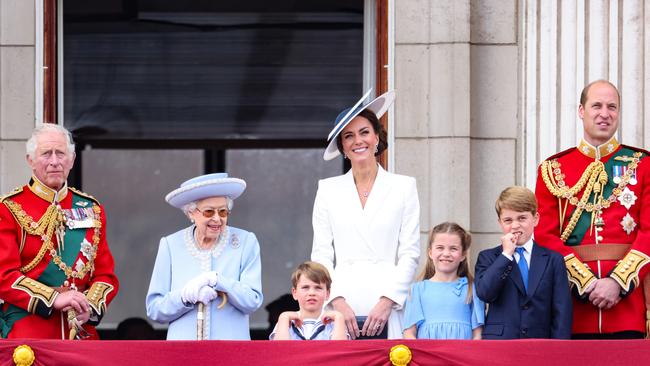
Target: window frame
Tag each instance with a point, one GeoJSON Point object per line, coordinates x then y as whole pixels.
{"type": "Point", "coordinates": [52, 71]}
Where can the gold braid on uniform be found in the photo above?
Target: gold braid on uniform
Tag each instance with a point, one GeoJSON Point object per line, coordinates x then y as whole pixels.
{"type": "Point", "coordinates": [97, 294]}
{"type": "Point", "coordinates": [579, 274]}
{"type": "Point", "coordinates": [626, 271]}
{"type": "Point", "coordinates": [593, 179]}
{"type": "Point", "coordinates": [44, 227]}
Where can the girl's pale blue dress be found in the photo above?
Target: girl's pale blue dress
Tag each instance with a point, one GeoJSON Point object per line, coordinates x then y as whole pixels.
{"type": "Point", "coordinates": [439, 311]}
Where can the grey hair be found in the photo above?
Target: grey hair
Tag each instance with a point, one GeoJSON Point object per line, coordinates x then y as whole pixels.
{"type": "Point", "coordinates": [30, 146]}
{"type": "Point", "coordinates": [190, 207]}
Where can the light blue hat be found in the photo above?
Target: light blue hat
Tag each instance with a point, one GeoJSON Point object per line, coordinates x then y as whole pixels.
{"type": "Point", "coordinates": [204, 186]}
{"type": "Point", "coordinates": [378, 106]}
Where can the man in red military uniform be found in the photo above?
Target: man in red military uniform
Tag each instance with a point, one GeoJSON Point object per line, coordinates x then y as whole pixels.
{"type": "Point", "coordinates": [56, 268]}
{"type": "Point", "coordinates": [594, 206]}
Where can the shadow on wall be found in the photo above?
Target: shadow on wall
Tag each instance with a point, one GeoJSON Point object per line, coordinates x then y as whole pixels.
{"type": "Point", "coordinates": [133, 329]}
{"type": "Point", "coordinates": [275, 308]}
{"type": "Point", "coordinates": [139, 329]}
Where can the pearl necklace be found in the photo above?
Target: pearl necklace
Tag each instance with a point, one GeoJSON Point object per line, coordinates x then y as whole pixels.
{"type": "Point", "coordinates": [204, 255]}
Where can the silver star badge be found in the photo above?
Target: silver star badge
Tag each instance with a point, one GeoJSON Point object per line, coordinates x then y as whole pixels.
{"type": "Point", "coordinates": [628, 224]}
{"type": "Point", "coordinates": [627, 198]}
{"type": "Point", "coordinates": [610, 148]}
{"type": "Point", "coordinates": [87, 249]}
{"type": "Point", "coordinates": [79, 265]}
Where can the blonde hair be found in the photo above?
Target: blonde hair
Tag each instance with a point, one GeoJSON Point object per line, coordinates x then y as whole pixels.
{"type": "Point", "coordinates": [516, 198]}
{"type": "Point", "coordinates": [314, 271]}
{"type": "Point", "coordinates": [463, 268]}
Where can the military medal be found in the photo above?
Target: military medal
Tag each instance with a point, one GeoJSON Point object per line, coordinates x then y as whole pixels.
{"type": "Point", "coordinates": [624, 158]}
{"type": "Point", "coordinates": [617, 172]}
{"type": "Point", "coordinates": [79, 218]}
{"type": "Point", "coordinates": [628, 224]}
{"type": "Point", "coordinates": [627, 198]}
{"type": "Point", "coordinates": [633, 180]}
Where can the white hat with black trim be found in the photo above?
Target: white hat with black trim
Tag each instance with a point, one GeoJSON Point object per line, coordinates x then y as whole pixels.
{"type": "Point", "coordinates": [378, 106]}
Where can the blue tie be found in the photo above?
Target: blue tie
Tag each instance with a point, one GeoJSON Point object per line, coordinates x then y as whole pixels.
{"type": "Point", "coordinates": [523, 266]}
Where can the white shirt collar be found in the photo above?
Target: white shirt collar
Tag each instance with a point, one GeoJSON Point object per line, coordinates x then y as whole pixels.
{"type": "Point", "coordinates": [528, 246]}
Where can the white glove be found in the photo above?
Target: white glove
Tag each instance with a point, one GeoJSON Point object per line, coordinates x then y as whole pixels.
{"type": "Point", "coordinates": [190, 292]}
{"type": "Point", "coordinates": [207, 294]}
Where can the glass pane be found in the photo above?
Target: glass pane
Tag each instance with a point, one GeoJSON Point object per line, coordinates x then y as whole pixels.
{"type": "Point", "coordinates": [210, 70]}
{"type": "Point", "coordinates": [132, 184]}
{"type": "Point", "coordinates": [277, 207]}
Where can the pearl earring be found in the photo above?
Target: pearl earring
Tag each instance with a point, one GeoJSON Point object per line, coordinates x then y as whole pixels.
{"type": "Point", "coordinates": [376, 148]}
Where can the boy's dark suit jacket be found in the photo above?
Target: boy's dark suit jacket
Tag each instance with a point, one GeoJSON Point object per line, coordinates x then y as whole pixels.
{"type": "Point", "coordinates": [545, 312]}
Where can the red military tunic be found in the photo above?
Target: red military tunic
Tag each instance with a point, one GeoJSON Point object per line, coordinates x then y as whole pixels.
{"type": "Point", "coordinates": [34, 268]}
{"type": "Point", "coordinates": [625, 218]}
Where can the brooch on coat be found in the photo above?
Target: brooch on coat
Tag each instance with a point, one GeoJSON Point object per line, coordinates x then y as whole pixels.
{"type": "Point", "coordinates": [234, 240]}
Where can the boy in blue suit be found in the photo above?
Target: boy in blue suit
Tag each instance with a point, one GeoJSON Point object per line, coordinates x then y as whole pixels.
{"type": "Point", "coordinates": [525, 285]}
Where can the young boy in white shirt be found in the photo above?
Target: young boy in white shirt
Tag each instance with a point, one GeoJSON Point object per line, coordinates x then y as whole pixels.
{"type": "Point", "coordinates": [311, 288]}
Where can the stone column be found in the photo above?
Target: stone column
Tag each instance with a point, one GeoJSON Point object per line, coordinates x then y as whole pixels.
{"type": "Point", "coordinates": [456, 125]}
{"type": "Point", "coordinates": [432, 125]}
{"type": "Point", "coordinates": [17, 99]}
{"type": "Point", "coordinates": [495, 147]}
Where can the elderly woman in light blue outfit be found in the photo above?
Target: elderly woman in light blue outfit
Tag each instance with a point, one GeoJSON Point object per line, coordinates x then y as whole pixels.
{"type": "Point", "coordinates": [207, 277]}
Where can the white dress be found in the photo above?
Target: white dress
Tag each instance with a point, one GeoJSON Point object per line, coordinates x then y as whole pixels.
{"type": "Point", "coordinates": [372, 251]}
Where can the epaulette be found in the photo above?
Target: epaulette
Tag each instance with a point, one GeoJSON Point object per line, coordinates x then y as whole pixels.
{"type": "Point", "coordinates": [561, 153]}
{"type": "Point", "coordinates": [11, 194]}
{"type": "Point", "coordinates": [645, 152]}
{"type": "Point", "coordinates": [85, 195]}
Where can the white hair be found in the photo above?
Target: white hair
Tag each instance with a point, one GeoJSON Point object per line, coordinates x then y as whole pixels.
{"type": "Point", "coordinates": [30, 146]}
{"type": "Point", "coordinates": [190, 207]}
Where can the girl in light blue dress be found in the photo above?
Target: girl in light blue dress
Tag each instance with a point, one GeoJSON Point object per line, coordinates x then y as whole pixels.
{"type": "Point", "coordinates": [443, 303]}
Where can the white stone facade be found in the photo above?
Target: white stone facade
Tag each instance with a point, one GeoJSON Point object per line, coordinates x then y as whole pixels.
{"type": "Point", "coordinates": [456, 117]}
{"type": "Point", "coordinates": [17, 98]}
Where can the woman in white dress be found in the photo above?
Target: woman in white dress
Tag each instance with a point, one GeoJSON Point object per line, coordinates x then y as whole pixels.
{"type": "Point", "coordinates": [366, 225]}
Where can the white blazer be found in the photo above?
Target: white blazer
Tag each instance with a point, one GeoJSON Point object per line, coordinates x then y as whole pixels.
{"type": "Point", "coordinates": [372, 251]}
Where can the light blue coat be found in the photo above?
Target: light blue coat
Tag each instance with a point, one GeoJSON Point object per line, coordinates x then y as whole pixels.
{"type": "Point", "coordinates": [239, 272]}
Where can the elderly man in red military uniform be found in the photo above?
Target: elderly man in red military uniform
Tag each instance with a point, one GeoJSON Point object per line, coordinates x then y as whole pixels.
{"type": "Point", "coordinates": [56, 268]}
{"type": "Point", "coordinates": [594, 208]}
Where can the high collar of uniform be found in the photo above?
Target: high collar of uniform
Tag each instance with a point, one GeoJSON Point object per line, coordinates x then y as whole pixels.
{"type": "Point", "coordinates": [598, 152]}
{"type": "Point", "coordinates": [47, 193]}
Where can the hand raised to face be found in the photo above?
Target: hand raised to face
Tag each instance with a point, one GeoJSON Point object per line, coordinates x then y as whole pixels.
{"type": "Point", "coordinates": [509, 243]}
